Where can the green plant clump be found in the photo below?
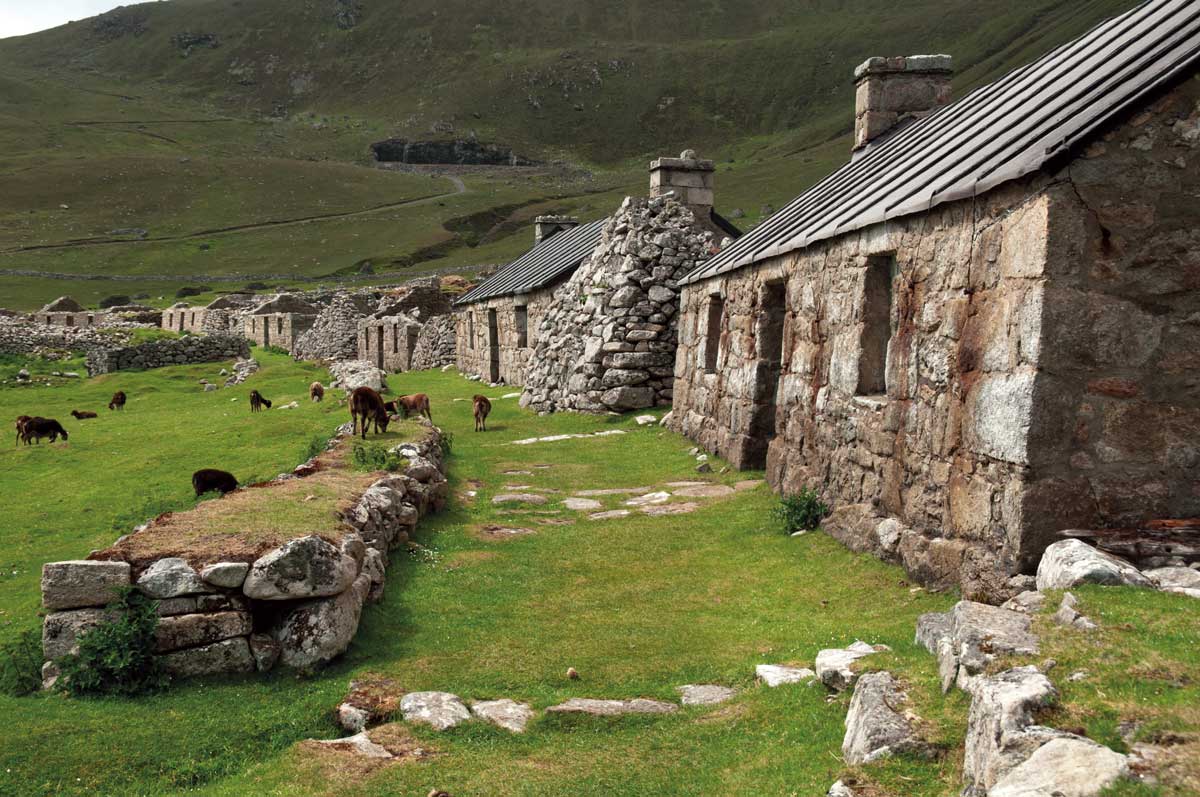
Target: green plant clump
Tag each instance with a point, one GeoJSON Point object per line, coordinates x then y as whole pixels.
{"type": "Point", "coordinates": [373, 456]}
{"type": "Point", "coordinates": [117, 657]}
{"type": "Point", "coordinates": [803, 511]}
{"type": "Point", "coordinates": [21, 664]}
{"type": "Point", "coordinates": [276, 349]}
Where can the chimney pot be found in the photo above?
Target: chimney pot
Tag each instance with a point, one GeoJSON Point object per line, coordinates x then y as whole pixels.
{"type": "Point", "coordinates": [689, 178]}
{"type": "Point", "coordinates": [546, 226]}
{"type": "Point", "coordinates": [890, 92]}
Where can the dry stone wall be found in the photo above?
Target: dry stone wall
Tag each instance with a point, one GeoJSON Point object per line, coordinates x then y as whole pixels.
{"type": "Point", "coordinates": [18, 336]}
{"type": "Point", "coordinates": [296, 606]}
{"type": "Point", "coordinates": [160, 353]}
{"type": "Point", "coordinates": [435, 344]}
{"type": "Point", "coordinates": [334, 333]}
{"type": "Point", "coordinates": [608, 340]}
{"type": "Point", "coordinates": [501, 357]}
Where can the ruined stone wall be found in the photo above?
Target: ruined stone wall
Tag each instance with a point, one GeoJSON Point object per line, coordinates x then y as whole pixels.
{"type": "Point", "coordinates": [161, 353]}
{"type": "Point", "coordinates": [1037, 363]}
{"type": "Point", "coordinates": [388, 342]}
{"type": "Point", "coordinates": [474, 354]}
{"type": "Point", "coordinates": [608, 340]}
{"type": "Point", "coordinates": [18, 336]}
{"type": "Point", "coordinates": [435, 344]}
{"type": "Point", "coordinates": [334, 333]}
{"type": "Point", "coordinates": [83, 318]}
{"type": "Point", "coordinates": [277, 329]}
{"type": "Point", "coordinates": [184, 319]}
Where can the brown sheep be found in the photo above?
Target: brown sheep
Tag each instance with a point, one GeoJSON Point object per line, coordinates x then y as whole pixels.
{"type": "Point", "coordinates": [367, 405]}
{"type": "Point", "coordinates": [257, 402]}
{"type": "Point", "coordinates": [22, 421]}
{"type": "Point", "coordinates": [79, 415]}
{"type": "Point", "coordinates": [417, 402]}
{"type": "Point", "coordinates": [316, 391]}
{"type": "Point", "coordinates": [482, 407]}
{"type": "Point", "coordinates": [208, 480]}
{"type": "Point", "coordinates": [118, 401]}
{"type": "Point", "coordinates": [37, 428]}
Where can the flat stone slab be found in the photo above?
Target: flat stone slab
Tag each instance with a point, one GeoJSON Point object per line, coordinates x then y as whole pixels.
{"type": "Point", "coordinates": [877, 723]}
{"type": "Point", "coordinates": [79, 583]}
{"type": "Point", "coordinates": [1069, 563]}
{"type": "Point", "coordinates": [359, 744]}
{"type": "Point", "coordinates": [932, 627]}
{"type": "Point", "coordinates": [645, 420]}
{"type": "Point", "coordinates": [704, 694]}
{"type": "Point", "coordinates": [705, 491]}
{"type": "Point", "coordinates": [671, 509]}
{"type": "Point", "coordinates": [660, 497]}
{"type": "Point", "coordinates": [685, 484]}
{"type": "Point", "coordinates": [833, 665]}
{"type": "Point", "coordinates": [613, 491]}
{"type": "Point", "coordinates": [979, 633]}
{"type": "Point", "coordinates": [439, 710]}
{"type": "Point", "coordinates": [519, 498]}
{"type": "Point", "coordinates": [612, 514]}
{"type": "Point", "coordinates": [226, 574]}
{"type": "Point", "coordinates": [556, 437]}
{"type": "Point", "coordinates": [507, 714]}
{"type": "Point", "coordinates": [779, 674]}
{"type": "Point", "coordinates": [1069, 767]}
{"type": "Point", "coordinates": [581, 504]}
{"type": "Point", "coordinates": [747, 484]}
{"type": "Point", "coordinates": [61, 630]}
{"type": "Point", "coordinates": [228, 656]}
{"type": "Point", "coordinates": [613, 708]}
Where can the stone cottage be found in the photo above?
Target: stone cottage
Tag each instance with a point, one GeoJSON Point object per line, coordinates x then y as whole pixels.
{"type": "Point", "coordinates": [279, 321]}
{"type": "Point", "coordinates": [607, 341]}
{"type": "Point", "coordinates": [66, 312]}
{"type": "Point", "coordinates": [182, 317]}
{"type": "Point", "coordinates": [494, 320]}
{"type": "Point", "coordinates": [984, 328]}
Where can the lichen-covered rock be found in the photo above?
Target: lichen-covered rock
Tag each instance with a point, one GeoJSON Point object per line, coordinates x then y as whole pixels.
{"type": "Point", "coordinates": [229, 575]}
{"type": "Point", "coordinates": [613, 708]}
{"type": "Point", "coordinates": [227, 656]}
{"type": "Point", "coordinates": [877, 724]}
{"type": "Point", "coordinates": [318, 631]}
{"type": "Point", "coordinates": [507, 714]}
{"type": "Point", "coordinates": [61, 630]}
{"type": "Point", "coordinates": [1065, 767]}
{"type": "Point", "coordinates": [704, 694]}
{"type": "Point", "coordinates": [439, 710]}
{"type": "Point", "coordinates": [978, 634]}
{"type": "Point", "coordinates": [171, 578]}
{"type": "Point", "coordinates": [1001, 732]}
{"type": "Point", "coordinates": [308, 567]}
{"type": "Point", "coordinates": [351, 374]}
{"type": "Point", "coordinates": [780, 674]}
{"type": "Point", "coordinates": [1069, 563]}
{"type": "Point", "coordinates": [265, 649]}
{"type": "Point", "coordinates": [835, 665]}
{"type": "Point", "coordinates": [190, 630]}
{"type": "Point", "coordinates": [79, 583]}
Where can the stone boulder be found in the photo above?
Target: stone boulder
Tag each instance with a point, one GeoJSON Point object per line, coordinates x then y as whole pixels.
{"type": "Point", "coordinates": [75, 584]}
{"type": "Point", "coordinates": [834, 665]}
{"type": "Point", "coordinates": [351, 374]}
{"type": "Point", "coordinates": [507, 714]}
{"type": "Point", "coordinates": [439, 710]}
{"type": "Point", "coordinates": [171, 578]}
{"type": "Point", "coordinates": [973, 635]}
{"type": "Point", "coordinates": [307, 567]}
{"type": "Point", "coordinates": [1065, 767]}
{"type": "Point", "coordinates": [227, 656]}
{"type": "Point", "coordinates": [229, 575]}
{"type": "Point", "coordinates": [1069, 563]}
{"type": "Point", "coordinates": [1183, 580]}
{"type": "Point", "coordinates": [191, 630]}
{"type": "Point", "coordinates": [877, 724]}
{"type": "Point", "coordinates": [318, 631]}
{"type": "Point", "coordinates": [1001, 733]}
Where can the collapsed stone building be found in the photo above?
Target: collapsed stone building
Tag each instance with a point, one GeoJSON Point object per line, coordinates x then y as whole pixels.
{"type": "Point", "coordinates": [389, 337]}
{"type": "Point", "coordinates": [183, 317]}
{"type": "Point", "coordinates": [279, 321]}
{"type": "Point", "coordinates": [983, 329]}
{"type": "Point", "coordinates": [494, 319]}
{"type": "Point", "coordinates": [66, 312]}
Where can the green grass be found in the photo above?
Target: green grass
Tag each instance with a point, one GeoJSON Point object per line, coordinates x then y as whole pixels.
{"type": "Point", "coordinates": [637, 605]}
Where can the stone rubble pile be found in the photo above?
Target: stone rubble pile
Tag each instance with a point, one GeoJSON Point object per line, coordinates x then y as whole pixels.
{"type": "Point", "coordinates": [334, 334]}
{"type": "Point", "coordinates": [242, 369]}
{"type": "Point", "coordinates": [305, 598]}
{"type": "Point", "coordinates": [608, 340]}
{"type": "Point", "coordinates": [19, 336]}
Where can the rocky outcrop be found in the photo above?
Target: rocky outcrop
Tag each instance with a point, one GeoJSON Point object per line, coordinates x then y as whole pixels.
{"type": "Point", "coordinates": [161, 353]}
{"type": "Point", "coordinates": [459, 152]}
{"type": "Point", "coordinates": [970, 636]}
{"type": "Point", "coordinates": [1069, 563]}
{"type": "Point", "coordinates": [607, 341]}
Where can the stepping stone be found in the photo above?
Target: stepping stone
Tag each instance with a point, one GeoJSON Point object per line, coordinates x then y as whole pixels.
{"type": "Point", "coordinates": [687, 484]}
{"type": "Point", "coordinates": [614, 491]}
{"type": "Point", "coordinates": [833, 664]}
{"type": "Point", "coordinates": [670, 509]}
{"type": "Point", "coordinates": [780, 674]}
{"type": "Point", "coordinates": [705, 491]}
{"type": "Point", "coordinates": [439, 710]}
{"type": "Point", "coordinates": [610, 515]}
{"type": "Point", "coordinates": [511, 395]}
{"type": "Point", "coordinates": [747, 484]}
{"type": "Point", "coordinates": [518, 473]}
{"type": "Point", "coordinates": [613, 708]}
{"type": "Point", "coordinates": [507, 714]}
{"type": "Point", "coordinates": [359, 744]}
{"type": "Point", "coordinates": [649, 498]}
{"type": "Point", "coordinates": [518, 487]}
{"type": "Point", "coordinates": [519, 498]}
{"type": "Point", "coordinates": [503, 532]}
{"type": "Point", "coordinates": [581, 504]}
{"type": "Point", "coordinates": [704, 694]}
{"type": "Point", "coordinates": [646, 420]}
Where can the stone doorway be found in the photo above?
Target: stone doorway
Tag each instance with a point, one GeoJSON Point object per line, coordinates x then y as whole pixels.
{"type": "Point", "coordinates": [769, 335]}
{"type": "Point", "coordinates": [266, 332]}
{"type": "Point", "coordinates": [379, 347]}
{"type": "Point", "coordinates": [493, 347]}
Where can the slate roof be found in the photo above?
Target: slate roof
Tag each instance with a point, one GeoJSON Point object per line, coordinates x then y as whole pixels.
{"type": "Point", "coordinates": [554, 257]}
{"type": "Point", "coordinates": [997, 133]}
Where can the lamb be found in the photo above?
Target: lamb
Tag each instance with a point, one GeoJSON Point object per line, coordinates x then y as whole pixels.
{"type": "Point", "coordinates": [417, 402]}
{"type": "Point", "coordinates": [316, 391]}
{"type": "Point", "coordinates": [209, 479]}
{"type": "Point", "coordinates": [37, 428]}
{"type": "Point", "coordinates": [366, 404]}
{"type": "Point", "coordinates": [482, 407]}
{"type": "Point", "coordinates": [118, 401]}
{"type": "Point", "coordinates": [257, 402]}
{"type": "Point", "coordinates": [79, 415]}
{"type": "Point", "coordinates": [22, 421]}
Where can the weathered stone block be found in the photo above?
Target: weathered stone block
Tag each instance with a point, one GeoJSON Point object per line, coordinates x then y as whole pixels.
{"type": "Point", "coordinates": [74, 584]}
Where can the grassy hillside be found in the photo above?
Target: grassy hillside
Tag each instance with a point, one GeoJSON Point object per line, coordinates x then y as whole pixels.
{"type": "Point", "coordinates": [207, 122]}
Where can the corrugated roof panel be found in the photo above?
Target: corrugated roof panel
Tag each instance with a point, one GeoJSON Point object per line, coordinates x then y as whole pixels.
{"type": "Point", "coordinates": [997, 133]}
{"type": "Point", "coordinates": [541, 265]}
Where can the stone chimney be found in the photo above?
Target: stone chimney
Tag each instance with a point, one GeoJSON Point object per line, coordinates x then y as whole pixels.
{"type": "Point", "coordinates": [893, 91]}
{"type": "Point", "coordinates": [545, 226]}
{"type": "Point", "coordinates": [689, 177]}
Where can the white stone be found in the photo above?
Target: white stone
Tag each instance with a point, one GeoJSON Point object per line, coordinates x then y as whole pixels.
{"type": "Point", "coordinates": [225, 574]}
{"type": "Point", "coordinates": [613, 708]}
{"type": "Point", "coordinates": [359, 744]}
{"type": "Point", "coordinates": [439, 710]}
{"type": "Point", "coordinates": [704, 694]}
{"type": "Point", "coordinates": [1069, 563]}
{"type": "Point", "coordinates": [646, 420]}
{"type": "Point", "coordinates": [877, 725]}
{"type": "Point", "coordinates": [1174, 578]}
{"type": "Point", "coordinates": [170, 578]}
{"type": "Point", "coordinates": [780, 674]}
{"type": "Point", "coordinates": [507, 714]}
{"type": "Point", "coordinates": [581, 504]}
{"type": "Point", "coordinates": [352, 718]}
{"type": "Point", "coordinates": [519, 498]}
{"type": "Point", "coordinates": [307, 567]}
{"type": "Point", "coordinates": [833, 665]}
{"type": "Point", "coordinates": [79, 583]}
{"type": "Point", "coordinates": [649, 498]}
{"type": "Point", "coordinates": [1066, 767]}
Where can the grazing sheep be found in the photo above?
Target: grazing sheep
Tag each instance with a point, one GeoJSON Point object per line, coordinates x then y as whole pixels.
{"type": "Point", "coordinates": [316, 391]}
{"type": "Point", "coordinates": [482, 407]}
{"type": "Point", "coordinates": [37, 428]}
{"type": "Point", "coordinates": [22, 421]}
{"type": "Point", "coordinates": [417, 402]}
{"type": "Point", "coordinates": [257, 402]}
{"type": "Point", "coordinates": [79, 415]}
{"type": "Point", "coordinates": [118, 401]}
{"type": "Point", "coordinates": [208, 479]}
{"type": "Point", "coordinates": [366, 404]}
